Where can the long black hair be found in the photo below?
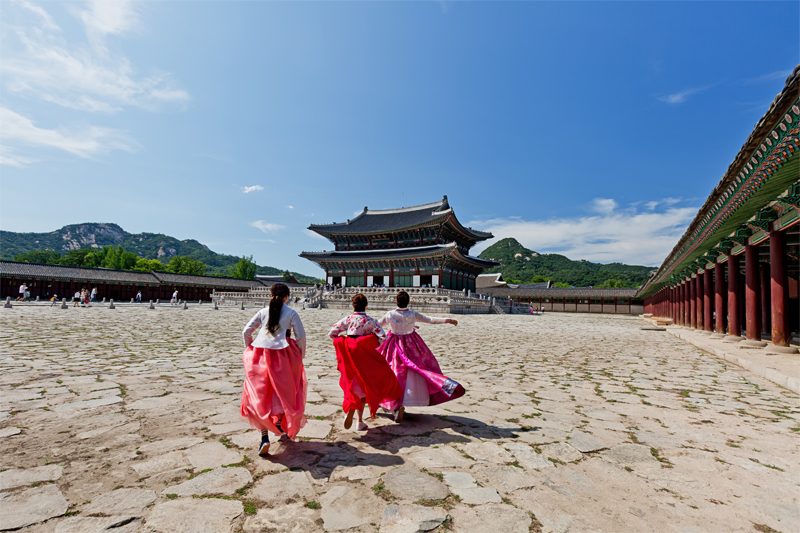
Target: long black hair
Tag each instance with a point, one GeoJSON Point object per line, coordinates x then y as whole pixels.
{"type": "Point", "coordinates": [279, 291]}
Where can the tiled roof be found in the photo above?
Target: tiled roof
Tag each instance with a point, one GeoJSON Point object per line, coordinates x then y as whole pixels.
{"type": "Point", "coordinates": [93, 275]}
{"type": "Point", "coordinates": [559, 293]}
{"type": "Point", "coordinates": [543, 285]}
{"type": "Point", "coordinates": [170, 278]}
{"type": "Point", "coordinates": [484, 281]}
{"type": "Point", "coordinates": [395, 253]}
{"type": "Point", "coordinates": [24, 271]}
{"type": "Point", "coordinates": [385, 220]}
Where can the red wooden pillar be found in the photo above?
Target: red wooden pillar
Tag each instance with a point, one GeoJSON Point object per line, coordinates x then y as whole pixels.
{"type": "Point", "coordinates": [766, 308]}
{"type": "Point", "coordinates": [693, 303]}
{"type": "Point", "coordinates": [752, 293]}
{"type": "Point", "coordinates": [674, 304]}
{"type": "Point", "coordinates": [681, 303]}
{"type": "Point", "coordinates": [734, 297]}
{"type": "Point", "coordinates": [700, 308]}
{"type": "Point", "coordinates": [719, 299]}
{"type": "Point", "coordinates": [779, 288]}
{"type": "Point", "coordinates": [687, 308]}
{"type": "Point", "coordinates": [708, 291]}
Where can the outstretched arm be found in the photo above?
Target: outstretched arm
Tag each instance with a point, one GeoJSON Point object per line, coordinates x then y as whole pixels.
{"type": "Point", "coordinates": [419, 317]}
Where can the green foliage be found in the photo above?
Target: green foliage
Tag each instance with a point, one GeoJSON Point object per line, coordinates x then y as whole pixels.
{"type": "Point", "coordinates": [519, 263]}
{"type": "Point", "coordinates": [46, 257]}
{"type": "Point", "coordinates": [287, 276]}
{"type": "Point", "coordinates": [186, 265]}
{"type": "Point", "coordinates": [146, 265]}
{"type": "Point", "coordinates": [245, 268]}
{"type": "Point", "coordinates": [151, 246]}
{"type": "Point", "coordinates": [561, 285]}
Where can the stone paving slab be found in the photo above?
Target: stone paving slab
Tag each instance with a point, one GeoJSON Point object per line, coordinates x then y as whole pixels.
{"type": "Point", "coordinates": [639, 428]}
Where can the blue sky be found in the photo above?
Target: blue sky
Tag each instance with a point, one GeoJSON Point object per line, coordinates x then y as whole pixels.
{"type": "Point", "coordinates": [590, 129]}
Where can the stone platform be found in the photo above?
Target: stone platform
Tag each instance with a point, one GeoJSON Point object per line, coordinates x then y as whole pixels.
{"type": "Point", "coordinates": [128, 419]}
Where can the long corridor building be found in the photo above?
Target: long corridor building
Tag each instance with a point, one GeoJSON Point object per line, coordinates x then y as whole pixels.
{"type": "Point", "coordinates": [734, 273]}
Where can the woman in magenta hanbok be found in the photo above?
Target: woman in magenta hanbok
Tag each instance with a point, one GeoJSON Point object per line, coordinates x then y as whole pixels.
{"type": "Point", "coordinates": [275, 386]}
{"type": "Point", "coordinates": [412, 361]}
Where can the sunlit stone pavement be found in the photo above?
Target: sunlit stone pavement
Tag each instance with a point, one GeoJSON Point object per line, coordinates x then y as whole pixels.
{"type": "Point", "coordinates": [127, 420]}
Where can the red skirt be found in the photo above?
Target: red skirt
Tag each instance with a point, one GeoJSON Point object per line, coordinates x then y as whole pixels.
{"type": "Point", "coordinates": [361, 364]}
{"type": "Point", "coordinates": [274, 387]}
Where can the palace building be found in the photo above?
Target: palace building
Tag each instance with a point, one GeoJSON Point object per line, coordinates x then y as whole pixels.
{"type": "Point", "coordinates": [420, 246]}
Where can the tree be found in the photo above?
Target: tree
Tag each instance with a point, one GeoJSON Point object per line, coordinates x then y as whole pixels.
{"type": "Point", "coordinates": [561, 285]}
{"type": "Point", "coordinates": [45, 257]}
{"type": "Point", "coordinates": [186, 265]}
{"type": "Point", "coordinates": [245, 268]}
{"type": "Point", "coordinates": [77, 257]}
{"type": "Point", "coordinates": [146, 265]}
{"type": "Point", "coordinates": [287, 276]}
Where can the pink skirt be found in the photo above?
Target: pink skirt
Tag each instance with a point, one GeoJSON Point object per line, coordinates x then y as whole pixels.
{"type": "Point", "coordinates": [409, 353]}
{"type": "Point", "coordinates": [274, 389]}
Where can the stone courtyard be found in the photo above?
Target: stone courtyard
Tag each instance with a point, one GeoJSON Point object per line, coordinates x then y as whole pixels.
{"type": "Point", "coordinates": [126, 420]}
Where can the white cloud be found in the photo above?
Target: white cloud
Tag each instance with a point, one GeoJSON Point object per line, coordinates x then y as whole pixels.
{"type": "Point", "coordinates": [604, 206]}
{"type": "Point", "coordinates": [267, 227]}
{"type": "Point", "coordinates": [42, 64]}
{"type": "Point", "coordinates": [252, 188]}
{"type": "Point", "coordinates": [613, 235]}
{"type": "Point", "coordinates": [772, 76]}
{"type": "Point", "coordinates": [47, 20]}
{"type": "Point", "coordinates": [104, 17]}
{"type": "Point", "coordinates": [679, 98]}
{"type": "Point", "coordinates": [9, 158]}
{"type": "Point", "coordinates": [86, 142]}
{"type": "Point", "coordinates": [314, 235]}
{"type": "Point", "coordinates": [264, 240]}
{"type": "Point", "coordinates": [289, 207]}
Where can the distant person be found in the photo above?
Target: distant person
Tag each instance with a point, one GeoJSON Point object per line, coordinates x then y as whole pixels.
{"type": "Point", "coordinates": [139, 297]}
{"type": "Point", "coordinates": [22, 289]}
{"type": "Point", "coordinates": [174, 300]}
{"type": "Point", "coordinates": [94, 294]}
{"type": "Point", "coordinates": [222, 298]}
{"type": "Point", "coordinates": [53, 300]}
{"type": "Point", "coordinates": [76, 298]}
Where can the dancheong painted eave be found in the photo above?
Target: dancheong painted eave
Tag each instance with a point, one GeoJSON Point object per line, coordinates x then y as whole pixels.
{"type": "Point", "coordinates": [760, 184]}
{"type": "Point", "coordinates": [437, 251]}
{"type": "Point", "coordinates": [381, 221]}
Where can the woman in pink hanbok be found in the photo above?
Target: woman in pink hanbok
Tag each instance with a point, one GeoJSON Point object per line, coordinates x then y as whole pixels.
{"type": "Point", "coordinates": [412, 361]}
{"type": "Point", "coordinates": [275, 386]}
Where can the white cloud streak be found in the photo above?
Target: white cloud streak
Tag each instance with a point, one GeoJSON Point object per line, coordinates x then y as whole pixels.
{"type": "Point", "coordinates": [289, 207]}
{"type": "Point", "coordinates": [10, 159]}
{"type": "Point", "coordinates": [267, 227]}
{"type": "Point", "coordinates": [252, 188]}
{"type": "Point", "coordinates": [627, 235]}
{"type": "Point", "coordinates": [86, 142]}
{"type": "Point", "coordinates": [681, 97]}
{"type": "Point", "coordinates": [87, 78]}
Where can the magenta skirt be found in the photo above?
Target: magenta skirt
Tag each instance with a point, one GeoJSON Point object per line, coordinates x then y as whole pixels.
{"type": "Point", "coordinates": [409, 352]}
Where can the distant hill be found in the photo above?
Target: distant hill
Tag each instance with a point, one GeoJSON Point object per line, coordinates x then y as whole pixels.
{"type": "Point", "coordinates": [522, 264]}
{"type": "Point", "coordinates": [147, 245]}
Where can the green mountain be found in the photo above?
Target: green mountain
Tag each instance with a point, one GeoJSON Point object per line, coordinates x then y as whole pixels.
{"type": "Point", "coordinates": [520, 264]}
{"type": "Point", "coordinates": [147, 245]}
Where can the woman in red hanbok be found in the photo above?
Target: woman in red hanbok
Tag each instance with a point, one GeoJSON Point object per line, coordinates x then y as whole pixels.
{"type": "Point", "coordinates": [365, 375]}
{"type": "Point", "coordinates": [412, 361]}
{"type": "Point", "coordinates": [275, 386]}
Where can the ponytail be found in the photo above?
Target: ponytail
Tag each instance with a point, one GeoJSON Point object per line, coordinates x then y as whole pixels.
{"type": "Point", "coordinates": [279, 291]}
